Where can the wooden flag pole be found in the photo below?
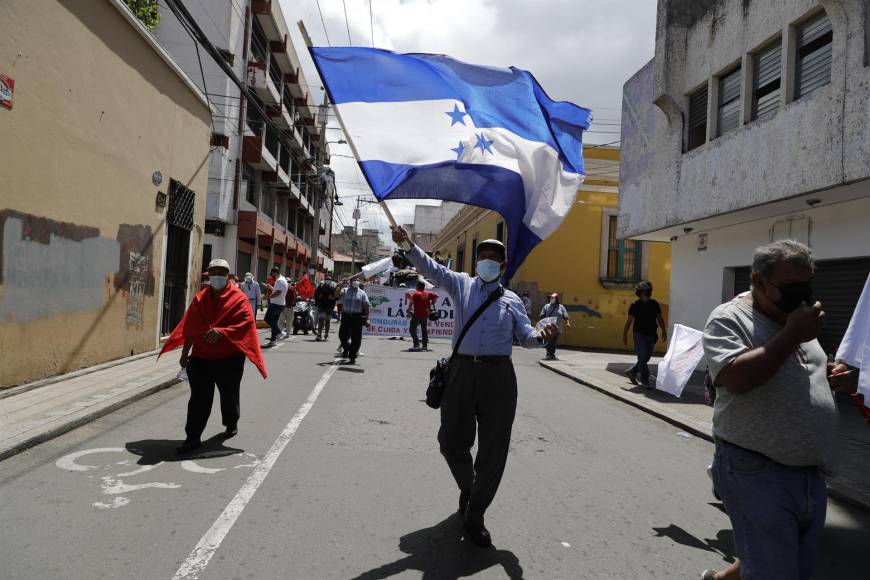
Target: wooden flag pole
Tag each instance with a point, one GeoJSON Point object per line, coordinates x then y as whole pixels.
{"type": "Point", "coordinates": [344, 130]}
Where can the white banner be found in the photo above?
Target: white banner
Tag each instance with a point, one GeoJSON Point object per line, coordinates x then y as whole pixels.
{"type": "Point", "coordinates": [388, 314]}
{"type": "Point", "coordinates": [683, 357]}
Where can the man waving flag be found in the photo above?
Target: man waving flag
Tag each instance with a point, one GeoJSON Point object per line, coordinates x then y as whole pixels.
{"type": "Point", "coordinates": [427, 126]}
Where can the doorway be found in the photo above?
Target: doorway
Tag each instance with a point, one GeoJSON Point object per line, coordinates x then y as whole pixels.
{"type": "Point", "coordinates": [179, 223]}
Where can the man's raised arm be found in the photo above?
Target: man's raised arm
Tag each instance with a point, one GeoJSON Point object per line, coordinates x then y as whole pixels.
{"type": "Point", "coordinates": [442, 276]}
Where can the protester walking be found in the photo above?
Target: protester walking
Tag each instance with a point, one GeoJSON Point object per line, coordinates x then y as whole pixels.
{"type": "Point", "coordinates": [216, 333]}
{"type": "Point", "coordinates": [285, 320]}
{"type": "Point", "coordinates": [527, 303]}
{"type": "Point", "coordinates": [252, 292]}
{"type": "Point", "coordinates": [277, 301]}
{"type": "Point", "coordinates": [775, 422]}
{"type": "Point", "coordinates": [421, 301]}
{"type": "Point", "coordinates": [324, 300]}
{"type": "Point", "coordinates": [480, 397]}
{"type": "Point", "coordinates": [354, 316]}
{"type": "Point", "coordinates": [555, 309]}
{"type": "Point", "coordinates": [643, 314]}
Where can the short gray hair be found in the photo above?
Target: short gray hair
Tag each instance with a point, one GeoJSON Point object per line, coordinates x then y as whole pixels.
{"type": "Point", "coordinates": [790, 251]}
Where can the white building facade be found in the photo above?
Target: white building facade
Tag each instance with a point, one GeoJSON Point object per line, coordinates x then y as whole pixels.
{"type": "Point", "coordinates": [751, 125]}
{"type": "Point", "coordinates": [264, 188]}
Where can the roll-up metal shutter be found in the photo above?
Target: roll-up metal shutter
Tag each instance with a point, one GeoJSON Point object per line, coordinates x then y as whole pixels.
{"type": "Point", "coordinates": [766, 81]}
{"type": "Point", "coordinates": [729, 101]}
{"type": "Point", "coordinates": [838, 285]}
{"type": "Point", "coordinates": [813, 67]}
{"type": "Point", "coordinates": [697, 118]}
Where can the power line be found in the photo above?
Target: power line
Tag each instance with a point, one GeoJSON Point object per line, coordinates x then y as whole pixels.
{"type": "Point", "coordinates": [346, 23]}
{"type": "Point", "coordinates": [371, 23]}
{"type": "Point", "coordinates": [323, 22]}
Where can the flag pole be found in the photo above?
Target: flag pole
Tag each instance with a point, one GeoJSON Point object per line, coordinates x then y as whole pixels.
{"type": "Point", "coordinates": [344, 130]}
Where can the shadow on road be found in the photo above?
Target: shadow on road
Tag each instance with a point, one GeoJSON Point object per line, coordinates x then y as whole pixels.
{"type": "Point", "coordinates": [153, 451]}
{"type": "Point", "coordinates": [722, 544]}
{"type": "Point", "coordinates": [693, 392]}
{"type": "Point", "coordinates": [440, 552]}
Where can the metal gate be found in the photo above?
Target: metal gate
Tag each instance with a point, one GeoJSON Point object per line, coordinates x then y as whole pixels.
{"type": "Point", "coordinates": [179, 223]}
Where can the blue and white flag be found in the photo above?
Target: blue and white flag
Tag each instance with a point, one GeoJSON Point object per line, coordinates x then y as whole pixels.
{"type": "Point", "coordinates": [430, 127]}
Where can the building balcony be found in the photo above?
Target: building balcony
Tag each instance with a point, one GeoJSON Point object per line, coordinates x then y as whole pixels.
{"type": "Point", "coordinates": [262, 84]}
{"type": "Point", "coordinates": [278, 177]}
{"type": "Point", "coordinates": [268, 14]}
{"type": "Point", "coordinates": [257, 155]}
{"type": "Point", "coordinates": [254, 224]}
{"type": "Point", "coordinates": [279, 115]}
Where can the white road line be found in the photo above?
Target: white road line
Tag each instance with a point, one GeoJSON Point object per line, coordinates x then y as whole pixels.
{"type": "Point", "coordinates": [211, 541]}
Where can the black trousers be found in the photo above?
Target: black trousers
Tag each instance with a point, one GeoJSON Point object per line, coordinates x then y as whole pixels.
{"type": "Point", "coordinates": [479, 397]}
{"type": "Point", "coordinates": [350, 333]}
{"type": "Point", "coordinates": [423, 323]}
{"type": "Point", "coordinates": [203, 375]}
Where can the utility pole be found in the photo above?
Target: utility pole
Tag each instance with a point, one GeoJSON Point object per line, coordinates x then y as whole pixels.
{"type": "Point", "coordinates": [355, 243]}
{"type": "Point", "coordinates": [320, 191]}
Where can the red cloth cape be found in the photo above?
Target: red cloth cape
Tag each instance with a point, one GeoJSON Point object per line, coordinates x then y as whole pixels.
{"type": "Point", "coordinates": [304, 288]}
{"type": "Point", "coordinates": [230, 315]}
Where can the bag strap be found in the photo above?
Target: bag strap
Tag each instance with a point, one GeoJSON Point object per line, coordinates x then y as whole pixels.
{"type": "Point", "coordinates": [495, 295]}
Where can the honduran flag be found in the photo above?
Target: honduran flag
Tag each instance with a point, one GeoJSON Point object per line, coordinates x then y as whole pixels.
{"type": "Point", "coordinates": [427, 126]}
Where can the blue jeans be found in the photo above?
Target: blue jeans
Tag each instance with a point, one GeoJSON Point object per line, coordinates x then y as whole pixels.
{"type": "Point", "coordinates": [643, 348]}
{"type": "Point", "coordinates": [273, 313]}
{"type": "Point", "coordinates": [777, 512]}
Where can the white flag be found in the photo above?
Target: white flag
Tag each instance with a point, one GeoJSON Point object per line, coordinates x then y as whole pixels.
{"type": "Point", "coordinates": [851, 349]}
{"type": "Point", "coordinates": [683, 357]}
{"type": "Point", "coordinates": [376, 268]}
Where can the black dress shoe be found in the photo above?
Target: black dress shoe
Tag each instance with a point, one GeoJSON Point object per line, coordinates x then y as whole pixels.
{"type": "Point", "coordinates": [188, 446]}
{"type": "Point", "coordinates": [464, 496]}
{"type": "Point", "coordinates": [344, 354]}
{"type": "Point", "coordinates": [352, 360]}
{"type": "Point", "coordinates": [478, 534]}
{"type": "Point", "coordinates": [231, 432]}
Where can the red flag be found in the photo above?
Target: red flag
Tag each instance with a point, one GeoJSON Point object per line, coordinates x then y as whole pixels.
{"type": "Point", "coordinates": [304, 288]}
{"type": "Point", "coordinates": [231, 315]}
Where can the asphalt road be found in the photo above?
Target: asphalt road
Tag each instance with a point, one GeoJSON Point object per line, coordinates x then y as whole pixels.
{"type": "Point", "coordinates": [336, 473]}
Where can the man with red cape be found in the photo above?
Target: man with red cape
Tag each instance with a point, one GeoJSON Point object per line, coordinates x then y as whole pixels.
{"type": "Point", "coordinates": [220, 328]}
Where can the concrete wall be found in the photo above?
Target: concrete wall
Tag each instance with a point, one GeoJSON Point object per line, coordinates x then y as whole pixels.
{"type": "Point", "coordinates": [96, 112]}
{"type": "Point", "coordinates": [700, 281]}
{"type": "Point", "coordinates": [816, 142]}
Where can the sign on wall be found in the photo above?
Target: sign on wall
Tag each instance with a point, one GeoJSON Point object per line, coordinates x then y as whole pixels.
{"type": "Point", "coordinates": [7, 90]}
{"type": "Point", "coordinates": [388, 314]}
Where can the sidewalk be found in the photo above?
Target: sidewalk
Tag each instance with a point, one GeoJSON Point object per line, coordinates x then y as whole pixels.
{"type": "Point", "coordinates": [35, 412]}
{"type": "Point", "coordinates": [605, 372]}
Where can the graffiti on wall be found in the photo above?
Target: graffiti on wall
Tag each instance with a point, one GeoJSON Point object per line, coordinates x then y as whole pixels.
{"type": "Point", "coordinates": [135, 275]}
{"type": "Point", "coordinates": [49, 267]}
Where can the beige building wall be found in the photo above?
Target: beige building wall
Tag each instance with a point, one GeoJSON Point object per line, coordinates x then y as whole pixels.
{"type": "Point", "coordinates": [97, 110]}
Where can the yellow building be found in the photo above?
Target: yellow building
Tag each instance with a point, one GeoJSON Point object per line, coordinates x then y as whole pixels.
{"type": "Point", "coordinates": [583, 261]}
{"type": "Point", "coordinates": [102, 203]}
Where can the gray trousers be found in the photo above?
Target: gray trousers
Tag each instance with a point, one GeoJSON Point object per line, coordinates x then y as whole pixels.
{"type": "Point", "coordinates": [480, 398]}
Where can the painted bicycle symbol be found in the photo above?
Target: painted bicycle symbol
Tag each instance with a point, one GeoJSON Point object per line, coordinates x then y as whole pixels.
{"type": "Point", "coordinates": [116, 484]}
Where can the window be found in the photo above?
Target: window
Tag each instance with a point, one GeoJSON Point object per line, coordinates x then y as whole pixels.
{"type": "Point", "coordinates": [460, 259]}
{"type": "Point", "coordinates": [813, 59]}
{"type": "Point", "coordinates": [473, 252]}
{"type": "Point", "coordinates": [766, 81]}
{"type": "Point", "coordinates": [250, 185]}
{"type": "Point", "coordinates": [499, 231]}
{"type": "Point", "coordinates": [729, 102]}
{"type": "Point", "coordinates": [624, 257]}
{"type": "Point", "coordinates": [697, 119]}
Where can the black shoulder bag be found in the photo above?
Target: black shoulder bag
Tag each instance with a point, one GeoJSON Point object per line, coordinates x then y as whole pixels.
{"type": "Point", "coordinates": [438, 374]}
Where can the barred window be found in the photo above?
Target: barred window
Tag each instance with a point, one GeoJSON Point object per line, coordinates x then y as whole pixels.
{"type": "Point", "coordinates": [624, 257]}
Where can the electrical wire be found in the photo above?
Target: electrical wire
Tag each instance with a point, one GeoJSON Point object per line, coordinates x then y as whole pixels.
{"type": "Point", "coordinates": [323, 22]}
{"type": "Point", "coordinates": [371, 23]}
{"type": "Point", "coordinates": [347, 23]}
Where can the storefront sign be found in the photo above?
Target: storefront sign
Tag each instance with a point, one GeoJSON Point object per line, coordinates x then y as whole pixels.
{"type": "Point", "coordinates": [388, 314]}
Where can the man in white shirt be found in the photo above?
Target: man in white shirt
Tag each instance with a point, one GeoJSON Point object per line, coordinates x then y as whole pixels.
{"type": "Point", "coordinates": [277, 300]}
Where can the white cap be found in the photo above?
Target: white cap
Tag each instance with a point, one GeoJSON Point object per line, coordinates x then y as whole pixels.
{"type": "Point", "coordinates": [219, 263]}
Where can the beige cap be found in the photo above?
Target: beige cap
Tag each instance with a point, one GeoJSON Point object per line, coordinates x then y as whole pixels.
{"type": "Point", "coordinates": [219, 263]}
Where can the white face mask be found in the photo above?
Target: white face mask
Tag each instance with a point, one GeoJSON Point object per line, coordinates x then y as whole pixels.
{"type": "Point", "coordinates": [552, 300]}
{"type": "Point", "coordinates": [217, 282]}
{"type": "Point", "coordinates": [249, 279]}
{"type": "Point", "coordinates": [355, 284]}
{"type": "Point", "coordinates": [488, 270]}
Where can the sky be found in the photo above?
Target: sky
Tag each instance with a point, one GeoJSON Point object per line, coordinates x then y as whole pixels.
{"type": "Point", "coordinates": [580, 51]}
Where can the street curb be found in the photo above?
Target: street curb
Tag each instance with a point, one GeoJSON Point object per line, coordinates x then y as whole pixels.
{"type": "Point", "coordinates": [87, 417]}
{"type": "Point", "coordinates": [839, 491]}
{"type": "Point", "coordinates": [19, 389]}
{"type": "Point", "coordinates": [670, 418]}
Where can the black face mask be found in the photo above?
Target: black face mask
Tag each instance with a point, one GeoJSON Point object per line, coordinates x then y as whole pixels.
{"type": "Point", "coordinates": [791, 296]}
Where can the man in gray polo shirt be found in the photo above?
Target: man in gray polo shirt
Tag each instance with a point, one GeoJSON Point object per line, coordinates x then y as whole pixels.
{"type": "Point", "coordinates": [775, 421]}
